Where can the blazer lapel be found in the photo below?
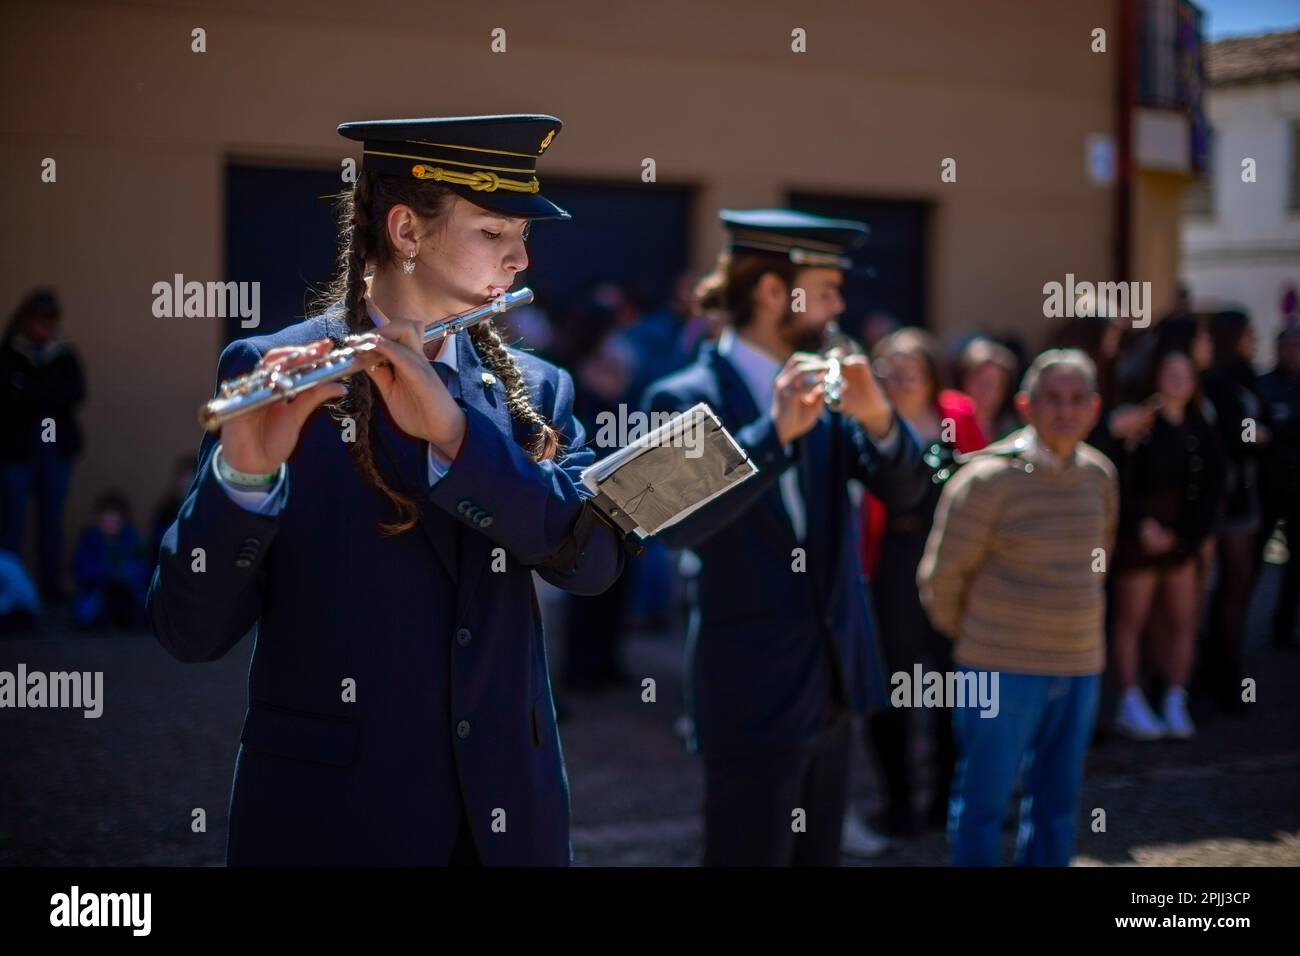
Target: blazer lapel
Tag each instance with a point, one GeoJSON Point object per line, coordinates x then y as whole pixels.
{"type": "Point", "coordinates": [452, 378]}
{"type": "Point", "coordinates": [408, 458]}
{"type": "Point", "coordinates": [738, 409]}
{"type": "Point", "coordinates": [476, 547]}
{"type": "Point", "coordinates": [818, 490]}
{"type": "Point", "coordinates": [400, 458]}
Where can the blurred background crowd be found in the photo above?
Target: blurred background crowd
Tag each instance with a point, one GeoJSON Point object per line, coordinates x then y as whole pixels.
{"type": "Point", "coordinates": [1201, 411]}
{"type": "Point", "coordinates": [1206, 445]}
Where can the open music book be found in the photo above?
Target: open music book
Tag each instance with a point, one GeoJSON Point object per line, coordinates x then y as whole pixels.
{"type": "Point", "coordinates": [668, 473]}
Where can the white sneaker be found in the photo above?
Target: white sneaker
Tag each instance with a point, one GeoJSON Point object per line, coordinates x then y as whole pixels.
{"type": "Point", "coordinates": [1178, 724]}
{"type": "Point", "coordinates": [1136, 719]}
{"type": "Point", "coordinates": [858, 839]}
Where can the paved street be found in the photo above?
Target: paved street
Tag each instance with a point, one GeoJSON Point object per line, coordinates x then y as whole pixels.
{"type": "Point", "coordinates": [1229, 797]}
{"type": "Point", "coordinates": [120, 790]}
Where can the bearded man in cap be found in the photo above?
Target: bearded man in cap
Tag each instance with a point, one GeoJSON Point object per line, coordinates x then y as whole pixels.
{"type": "Point", "coordinates": [781, 651]}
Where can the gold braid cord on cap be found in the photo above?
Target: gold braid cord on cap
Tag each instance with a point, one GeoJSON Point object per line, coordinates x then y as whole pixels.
{"type": "Point", "coordinates": [477, 180]}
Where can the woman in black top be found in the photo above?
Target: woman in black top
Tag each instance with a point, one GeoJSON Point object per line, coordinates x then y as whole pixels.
{"type": "Point", "coordinates": [1231, 387]}
{"type": "Point", "coordinates": [1279, 484]}
{"type": "Point", "coordinates": [1171, 485]}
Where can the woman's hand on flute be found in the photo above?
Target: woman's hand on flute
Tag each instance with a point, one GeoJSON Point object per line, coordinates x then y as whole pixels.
{"type": "Point", "coordinates": [260, 441]}
{"type": "Point", "coordinates": [416, 398]}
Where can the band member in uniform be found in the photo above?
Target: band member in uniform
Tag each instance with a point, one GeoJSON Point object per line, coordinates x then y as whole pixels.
{"type": "Point", "coordinates": [382, 547]}
{"type": "Point", "coordinates": [781, 648]}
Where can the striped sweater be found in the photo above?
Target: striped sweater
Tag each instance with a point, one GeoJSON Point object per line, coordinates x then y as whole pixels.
{"type": "Point", "coordinates": [1011, 569]}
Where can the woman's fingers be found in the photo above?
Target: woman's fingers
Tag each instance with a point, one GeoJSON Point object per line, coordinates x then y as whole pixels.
{"type": "Point", "coordinates": [404, 360]}
{"type": "Point", "coordinates": [411, 371]}
{"type": "Point", "coordinates": [275, 355]}
{"type": "Point", "coordinates": [407, 331]}
{"type": "Point", "coordinates": [304, 403]}
{"type": "Point", "coordinates": [290, 355]}
{"type": "Point", "coordinates": [382, 376]}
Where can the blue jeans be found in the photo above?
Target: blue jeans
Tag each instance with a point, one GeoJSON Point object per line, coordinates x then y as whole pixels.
{"type": "Point", "coordinates": [1041, 731]}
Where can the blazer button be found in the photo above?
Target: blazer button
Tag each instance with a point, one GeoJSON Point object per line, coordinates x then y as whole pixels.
{"type": "Point", "coordinates": [485, 521]}
{"type": "Point", "coordinates": [243, 563]}
{"type": "Point", "coordinates": [463, 636]}
{"type": "Point", "coordinates": [462, 729]}
{"type": "Point", "coordinates": [252, 543]}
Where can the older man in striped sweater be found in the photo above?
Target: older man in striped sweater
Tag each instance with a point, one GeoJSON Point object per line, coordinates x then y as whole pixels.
{"type": "Point", "coordinates": [1014, 572]}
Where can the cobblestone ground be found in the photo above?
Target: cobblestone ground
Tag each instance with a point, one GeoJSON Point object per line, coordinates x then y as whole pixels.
{"type": "Point", "coordinates": [120, 790]}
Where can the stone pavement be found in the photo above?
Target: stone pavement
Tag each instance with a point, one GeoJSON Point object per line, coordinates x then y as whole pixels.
{"type": "Point", "coordinates": [1231, 796]}
{"type": "Point", "coordinates": [119, 790]}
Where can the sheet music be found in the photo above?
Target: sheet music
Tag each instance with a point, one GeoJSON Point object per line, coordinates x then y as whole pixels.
{"type": "Point", "coordinates": [672, 471]}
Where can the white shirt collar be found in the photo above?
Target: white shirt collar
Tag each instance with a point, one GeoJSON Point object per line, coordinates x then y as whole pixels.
{"type": "Point", "coordinates": [1044, 456]}
{"type": "Point", "coordinates": [756, 367]}
{"type": "Point", "coordinates": [446, 355]}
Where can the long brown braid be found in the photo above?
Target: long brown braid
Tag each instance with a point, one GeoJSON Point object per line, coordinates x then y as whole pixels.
{"type": "Point", "coordinates": [363, 241]}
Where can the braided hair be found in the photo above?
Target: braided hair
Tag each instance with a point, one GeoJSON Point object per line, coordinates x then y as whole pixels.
{"type": "Point", "coordinates": [363, 242]}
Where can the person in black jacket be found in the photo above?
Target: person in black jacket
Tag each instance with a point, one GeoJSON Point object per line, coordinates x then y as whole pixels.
{"type": "Point", "coordinates": [1171, 484]}
{"type": "Point", "coordinates": [41, 385]}
{"type": "Point", "coordinates": [1279, 391]}
{"type": "Point", "coordinates": [1231, 386]}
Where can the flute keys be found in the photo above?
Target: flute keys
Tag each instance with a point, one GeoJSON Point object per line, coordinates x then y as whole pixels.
{"type": "Point", "coordinates": [834, 384]}
{"type": "Point", "coordinates": [324, 360]}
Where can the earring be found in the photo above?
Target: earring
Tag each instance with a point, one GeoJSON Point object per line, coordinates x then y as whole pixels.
{"type": "Point", "coordinates": [408, 265]}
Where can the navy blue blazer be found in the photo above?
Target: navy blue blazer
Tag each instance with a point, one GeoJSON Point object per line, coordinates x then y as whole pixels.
{"type": "Point", "coordinates": [771, 647]}
{"type": "Point", "coordinates": [438, 629]}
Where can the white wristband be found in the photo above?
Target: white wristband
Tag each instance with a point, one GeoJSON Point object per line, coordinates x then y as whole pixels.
{"type": "Point", "coordinates": [245, 480]}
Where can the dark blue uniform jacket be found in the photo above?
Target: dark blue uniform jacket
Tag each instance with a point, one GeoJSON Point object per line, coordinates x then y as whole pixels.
{"type": "Point", "coordinates": [438, 630]}
{"type": "Point", "coordinates": [779, 635]}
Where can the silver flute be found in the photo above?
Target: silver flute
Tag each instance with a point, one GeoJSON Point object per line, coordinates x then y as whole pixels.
{"type": "Point", "coordinates": [835, 345]}
{"type": "Point", "coordinates": [266, 386]}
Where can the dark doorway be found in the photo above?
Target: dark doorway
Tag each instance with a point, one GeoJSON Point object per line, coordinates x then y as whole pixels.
{"type": "Point", "coordinates": [636, 235]}
{"type": "Point", "coordinates": [895, 252]}
{"type": "Point", "coordinates": [280, 232]}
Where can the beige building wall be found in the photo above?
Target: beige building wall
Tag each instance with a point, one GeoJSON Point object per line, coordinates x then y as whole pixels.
{"type": "Point", "coordinates": [1157, 219]}
{"type": "Point", "coordinates": [141, 128]}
